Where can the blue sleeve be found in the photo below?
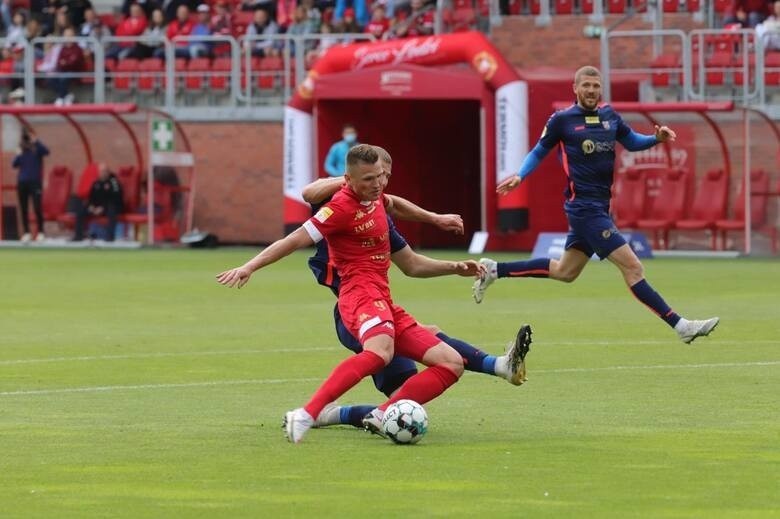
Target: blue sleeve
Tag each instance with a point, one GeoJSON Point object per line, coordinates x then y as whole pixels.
{"type": "Point", "coordinates": [633, 141]}
{"type": "Point", "coordinates": [532, 160]}
{"type": "Point", "coordinates": [17, 161]}
{"type": "Point", "coordinates": [552, 133]}
{"type": "Point", "coordinates": [397, 241]}
{"type": "Point", "coordinates": [332, 161]}
{"type": "Point", "coordinates": [42, 150]}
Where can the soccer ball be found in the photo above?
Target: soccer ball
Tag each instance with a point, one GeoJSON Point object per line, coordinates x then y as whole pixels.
{"type": "Point", "coordinates": [405, 422]}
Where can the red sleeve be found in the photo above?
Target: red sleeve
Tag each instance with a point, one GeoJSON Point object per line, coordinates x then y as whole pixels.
{"type": "Point", "coordinates": [331, 218]}
{"type": "Point", "coordinates": [171, 31]}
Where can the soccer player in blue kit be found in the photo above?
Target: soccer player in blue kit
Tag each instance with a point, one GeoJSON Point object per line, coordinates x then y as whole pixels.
{"type": "Point", "coordinates": [510, 366]}
{"type": "Point", "coordinates": [586, 134]}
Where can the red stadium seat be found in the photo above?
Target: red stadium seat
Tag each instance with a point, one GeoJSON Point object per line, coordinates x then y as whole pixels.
{"type": "Point", "coordinates": [616, 6]}
{"type": "Point", "coordinates": [772, 69]}
{"type": "Point", "coordinates": [219, 79]}
{"type": "Point", "coordinates": [125, 74]}
{"type": "Point", "coordinates": [269, 69]}
{"type": "Point", "coordinates": [693, 5]}
{"type": "Point", "coordinates": [668, 206]}
{"type": "Point", "coordinates": [197, 70]}
{"type": "Point", "coordinates": [586, 6]}
{"type": "Point", "coordinates": [628, 199]}
{"type": "Point", "coordinates": [665, 77]}
{"type": "Point", "coordinates": [463, 19]}
{"type": "Point", "coordinates": [564, 6]}
{"type": "Point", "coordinates": [759, 201]}
{"type": "Point", "coordinates": [515, 7]}
{"type": "Point", "coordinates": [534, 6]}
{"type": "Point", "coordinates": [483, 7]}
{"type": "Point", "coordinates": [709, 205]}
{"type": "Point", "coordinates": [57, 185]}
{"type": "Point", "coordinates": [739, 79]}
{"type": "Point", "coordinates": [721, 6]}
{"type": "Point", "coordinates": [671, 6]}
{"type": "Point", "coordinates": [150, 73]}
{"type": "Point", "coordinates": [716, 66]}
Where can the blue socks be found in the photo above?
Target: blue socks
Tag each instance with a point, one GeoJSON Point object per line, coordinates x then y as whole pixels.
{"type": "Point", "coordinates": [353, 414]}
{"type": "Point", "coordinates": [534, 268]}
{"type": "Point", "coordinates": [650, 298]}
{"type": "Point", "coordinates": [473, 359]}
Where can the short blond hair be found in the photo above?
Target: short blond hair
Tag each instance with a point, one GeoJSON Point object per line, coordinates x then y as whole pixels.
{"type": "Point", "coordinates": [587, 70]}
{"type": "Point", "coordinates": [385, 157]}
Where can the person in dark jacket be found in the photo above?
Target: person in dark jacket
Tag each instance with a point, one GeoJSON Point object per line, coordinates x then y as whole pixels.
{"type": "Point", "coordinates": [70, 59]}
{"type": "Point", "coordinates": [29, 184]}
{"type": "Point", "coordinates": [105, 199]}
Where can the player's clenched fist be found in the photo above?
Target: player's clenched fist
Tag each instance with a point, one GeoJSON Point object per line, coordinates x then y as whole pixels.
{"type": "Point", "coordinates": [449, 222]}
{"type": "Point", "coordinates": [508, 185]}
{"type": "Point", "coordinates": [236, 277]}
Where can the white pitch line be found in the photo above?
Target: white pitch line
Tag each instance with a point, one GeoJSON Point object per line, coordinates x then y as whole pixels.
{"type": "Point", "coordinates": [98, 389]}
{"type": "Point", "coordinates": [159, 355]}
{"type": "Point", "coordinates": [89, 358]}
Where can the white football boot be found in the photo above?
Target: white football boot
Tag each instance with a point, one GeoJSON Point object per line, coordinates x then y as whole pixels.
{"type": "Point", "coordinates": [689, 330]}
{"type": "Point", "coordinates": [296, 423]}
{"type": "Point", "coordinates": [484, 281]}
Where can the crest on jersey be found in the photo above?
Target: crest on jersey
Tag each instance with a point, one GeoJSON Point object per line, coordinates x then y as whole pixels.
{"type": "Point", "coordinates": [605, 124]}
{"type": "Point", "coordinates": [363, 317]}
{"type": "Point", "coordinates": [588, 146]}
{"type": "Point", "coordinates": [359, 214]}
{"type": "Point", "coordinates": [323, 214]}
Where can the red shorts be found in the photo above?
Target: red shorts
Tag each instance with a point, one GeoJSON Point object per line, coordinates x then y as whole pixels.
{"type": "Point", "coordinates": [366, 315]}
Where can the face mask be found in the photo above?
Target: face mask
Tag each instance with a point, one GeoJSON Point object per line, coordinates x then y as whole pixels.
{"type": "Point", "coordinates": [350, 138]}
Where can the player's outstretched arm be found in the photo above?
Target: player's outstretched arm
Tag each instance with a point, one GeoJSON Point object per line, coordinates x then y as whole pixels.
{"type": "Point", "coordinates": [409, 211]}
{"type": "Point", "coordinates": [321, 189]}
{"type": "Point", "coordinates": [239, 276]}
{"type": "Point", "coordinates": [419, 266]}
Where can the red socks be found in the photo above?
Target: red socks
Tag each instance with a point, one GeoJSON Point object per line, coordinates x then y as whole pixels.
{"type": "Point", "coordinates": [424, 386]}
{"type": "Point", "coordinates": [343, 378]}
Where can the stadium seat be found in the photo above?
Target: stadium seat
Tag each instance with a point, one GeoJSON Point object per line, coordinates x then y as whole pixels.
{"type": "Point", "coordinates": [759, 201]}
{"type": "Point", "coordinates": [664, 77]}
{"type": "Point", "coordinates": [716, 66]}
{"type": "Point", "coordinates": [709, 205]}
{"type": "Point", "coordinates": [150, 73]}
{"type": "Point", "coordinates": [739, 78]}
{"type": "Point", "coordinates": [772, 69]}
{"type": "Point", "coordinates": [721, 6]}
{"type": "Point", "coordinates": [668, 206]}
{"type": "Point", "coordinates": [534, 6]}
{"type": "Point", "coordinates": [268, 70]}
{"type": "Point", "coordinates": [671, 6]}
{"type": "Point", "coordinates": [219, 79]}
{"type": "Point", "coordinates": [616, 6]}
{"type": "Point", "coordinates": [586, 6]}
{"type": "Point", "coordinates": [693, 6]}
{"type": "Point", "coordinates": [483, 7]}
{"type": "Point", "coordinates": [197, 70]}
{"type": "Point", "coordinates": [125, 74]}
{"type": "Point", "coordinates": [628, 199]}
{"type": "Point", "coordinates": [463, 19]}
{"type": "Point", "coordinates": [564, 6]}
{"type": "Point", "coordinates": [57, 187]}
{"type": "Point", "coordinates": [515, 7]}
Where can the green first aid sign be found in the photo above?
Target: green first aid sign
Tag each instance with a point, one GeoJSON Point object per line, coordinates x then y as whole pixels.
{"type": "Point", "coordinates": [162, 135]}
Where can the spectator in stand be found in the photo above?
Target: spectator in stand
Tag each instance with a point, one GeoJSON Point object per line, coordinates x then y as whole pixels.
{"type": "Point", "coordinates": [284, 13]}
{"type": "Point", "coordinates": [379, 24]}
{"type": "Point", "coordinates": [221, 22]}
{"type": "Point", "coordinates": [46, 14]}
{"type": "Point", "coordinates": [16, 37]}
{"type": "Point", "coordinates": [6, 17]}
{"type": "Point", "coordinates": [91, 20]}
{"type": "Point", "coordinates": [262, 25]}
{"type": "Point", "coordinates": [171, 8]}
{"type": "Point", "coordinates": [148, 6]}
{"type": "Point", "coordinates": [93, 27]}
{"type": "Point", "coordinates": [769, 31]}
{"type": "Point", "coordinates": [313, 15]}
{"type": "Point", "coordinates": [326, 41]}
{"type": "Point", "coordinates": [151, 44]}
{"type": "Point", "coordinates": [336, 161]}
{"type": "Point", "coordinates": [253, 5]}
{"type": "Point", "coordinates": [105, 199]}
{"type": "Point", "coordinates": [202, 27]}
{"type": "Point", "coordinates": [61, 22]}
{"type": "Point", "coordinates": [181, 26]}
{"type": "Point", "coordinates": [419, 22]}
{"type": "Point", "coordinates": [132, 26]}
{"type": "Point", "coordinates": [69, 60]}
{"type": "Point", "coordinates": [300, 27]}
{"type": "Point", "coordinates": [359, 12]}
{"type": "Point", "coordinates": [349, 24]}
{"type": "Point", "coordinates": [747, 13]}
{"type": "Point", "coordinates": [16, 52]}
{"type": "Point", "coordinates": [76, 9]}
{"type": "Point", "coordinates": [29, 183]}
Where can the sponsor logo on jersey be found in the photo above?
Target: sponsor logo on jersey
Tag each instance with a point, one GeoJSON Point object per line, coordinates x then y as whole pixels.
{"type": "Point", "coordinates": [579, 128]}
{"type": "Point", "coordinates": [605, 124]}
{"type": "Point", "coordinates": [380, 305]}
{"type": "Point", "coordinates": [363, 317]}
{"type": "Point", "coordinates": [592, 119]}
{"type": "Point", "coordinates": [359, 214]}
{"type": "Point", "coordinates": [589, 146]}
{"type": "Point", "coordinates": [364, 226]}
{"type": "Point", "coordinates": [323, 214]}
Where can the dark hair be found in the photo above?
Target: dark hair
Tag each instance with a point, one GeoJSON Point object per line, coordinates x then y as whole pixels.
{"type": "Point", "coordinates": [348, 125]}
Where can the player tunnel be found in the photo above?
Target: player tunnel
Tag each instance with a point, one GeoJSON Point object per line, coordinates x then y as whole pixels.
{"type": "Point", "coordinates": [448, 108]}
{"type": "Point", "coordinates": [433, 134]}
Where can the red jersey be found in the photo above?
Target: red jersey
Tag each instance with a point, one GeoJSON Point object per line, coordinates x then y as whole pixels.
{"type": "Point", "coordinates": [357, 234]}
{"type": "Point", "coordinates": [378, 29]}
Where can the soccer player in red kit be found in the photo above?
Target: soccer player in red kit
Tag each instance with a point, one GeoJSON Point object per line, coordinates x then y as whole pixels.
{"type": "Point", "coordinates": [355, 225]}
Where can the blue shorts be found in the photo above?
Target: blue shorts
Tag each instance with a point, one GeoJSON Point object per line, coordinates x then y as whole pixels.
{"type": "Point", "coordinates": [591, 229]}
{"type": "Point", "coordinates": [394, 374]}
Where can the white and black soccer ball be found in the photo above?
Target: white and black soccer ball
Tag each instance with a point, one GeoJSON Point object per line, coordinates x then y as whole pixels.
{"type": "Point", "coordinates": [405, 422]}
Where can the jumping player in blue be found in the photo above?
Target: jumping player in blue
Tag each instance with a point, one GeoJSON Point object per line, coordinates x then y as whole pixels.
{"type": "Point", "coordinates": [586, 134]}
{"type": "Point", "coordinates": [510, 366]}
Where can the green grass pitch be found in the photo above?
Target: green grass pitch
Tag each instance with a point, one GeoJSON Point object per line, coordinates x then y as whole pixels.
{"type": "Point", "coordinates": [132, 385]}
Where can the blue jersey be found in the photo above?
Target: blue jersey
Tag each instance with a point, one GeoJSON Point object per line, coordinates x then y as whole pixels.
{"type": "Point", "coordinates": [586, 142]}
{"type": "Point", "coordinates": [325, 272]}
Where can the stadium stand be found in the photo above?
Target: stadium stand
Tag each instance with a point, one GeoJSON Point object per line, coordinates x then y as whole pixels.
{"type": "Point", "coordinates": [628, 200]}
{"type": "Point", "coordinates": [709, 205]}
{"type": "Point", "coordinates": [666, 207]}
{"type": "Point", "coordinates": [759, 202]}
